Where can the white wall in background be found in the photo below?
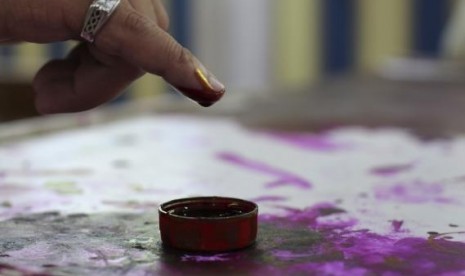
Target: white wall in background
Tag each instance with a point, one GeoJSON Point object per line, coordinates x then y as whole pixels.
{"type": "Point", "coordinates": [232, 38]}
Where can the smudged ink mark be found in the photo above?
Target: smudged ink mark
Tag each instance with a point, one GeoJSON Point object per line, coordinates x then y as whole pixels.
{"type": "Point", "coordinates": [453, 225]}
{"type": "Point", "coordinates": [6, 269]}
{"type": "Point", "coordinates": [284, 178]}
{"type": "Point", "coordinates": [132, 204]}
{"type": "Point", "coordinates": [121, 164]}
{"type": "Point", "coordinates": [317, 217]}
{"type": "Point", "coordinates": [438, 240]}
{"type": "Point", "coordinates": [205, 258]}
{"type": "Point", "coordinates": [63, 187]}
{"type": "Point", "coordinates": [285, 254]}
{"type": "Point", "coordinates": [397, 225]}
{"type": "Point", "coordinates": [391, 170]}
{"type": "Point", "coordinates": [344, 251]}
{"type": "Point", "coordinates": [6, 204]}
{"type": "Point", "coordinates": [268, 199]}
{"type": "Point", "coordinates": [126, 140]}
{"type": "Point", "coordinates": [142, 189]}
{"type": "Point", "coordinates": [10, 190]}
{"type": "Point", "coordinates": [78, 216]}
{"type": "Point", "coordinates": [327, 268]}
{"type": "Point", "coordinates": [289, 181]}
{"type": "Point", "coordinates": [27, 172]}
{"type": "Point", "coordinates": [414, 192]}
{"type": "Point", "coordinates": [308, 141]}
{"type": "Point", "coordinates": [98, 256]}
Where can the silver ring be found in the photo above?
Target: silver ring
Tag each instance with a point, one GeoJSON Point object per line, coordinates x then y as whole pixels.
{"type": "Point", "coordinates": [97, 15]}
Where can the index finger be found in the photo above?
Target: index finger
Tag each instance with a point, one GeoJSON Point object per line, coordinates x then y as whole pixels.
{"type": "Point", "coordinates": [143, 43]}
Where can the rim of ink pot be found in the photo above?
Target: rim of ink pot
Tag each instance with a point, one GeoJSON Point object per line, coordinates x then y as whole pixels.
{"type": "Point", "coordinates": [208, 224]}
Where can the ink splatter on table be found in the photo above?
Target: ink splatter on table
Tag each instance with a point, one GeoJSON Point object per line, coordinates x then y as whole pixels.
{"type": "Point", "coordinates": [350, 200]}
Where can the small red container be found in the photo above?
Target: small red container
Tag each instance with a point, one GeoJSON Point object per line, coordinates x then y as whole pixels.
{"type": "Point", "coordinates": [208, 224]}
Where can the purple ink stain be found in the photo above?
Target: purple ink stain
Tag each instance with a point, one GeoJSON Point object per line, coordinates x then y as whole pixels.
{"type": "Point", "coordinates": [391, 170]}
{"type": "Point", "coordinates": [268, 199]}
{"type": "Point", "coordinates": [6, 269]}
{"type": "Point", "coordinates": [11, 189]}
{"type": "Point", "coordinates": [371, 254]}
{"type": "Point", "coordinates": [414, 192]}
{"type": "Point", "coordinates": [313, 216]}
{"type": "Point", "coordinates": [286, 254]}
{"type": "Point", "coordinates": [397, 225]}
{"type": "Point", "coordinates": [344, 251]}
{"type": "Point", "coordinates": [135, 205]}
{"type": "Point", "coordinates": [328, 268]}
{"type": "Point", "coordinates": [284, 178]}
{"type": "Point", "coordinates": [308, 141]}
{"type": "Point", "coordinates": [205, 258]}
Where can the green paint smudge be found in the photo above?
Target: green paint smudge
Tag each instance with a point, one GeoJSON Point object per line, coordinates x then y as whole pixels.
{"type": "Point", "coordinates": [63, 187]}
{"type": "Point", "coordinates": [137, 187]}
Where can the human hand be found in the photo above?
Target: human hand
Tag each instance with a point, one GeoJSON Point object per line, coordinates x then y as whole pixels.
{"type": "Point", "coordinates": [133, 41]}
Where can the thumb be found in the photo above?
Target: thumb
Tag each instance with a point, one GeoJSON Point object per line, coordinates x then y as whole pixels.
{"type": "Point", "coordinates": [140, 41]}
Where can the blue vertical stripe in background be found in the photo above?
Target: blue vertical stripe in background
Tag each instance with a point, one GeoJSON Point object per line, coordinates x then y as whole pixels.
{"type": "Point", "coordinates": [338, 35]}
{"type": "Point", "coordinates": [429, 21]}
{"type": "Point", "coordinates": [6, 59]}
{"type": "Point", "coordinates": [57, 50]}
{"type": "Point", "coordinates": [181, 19]}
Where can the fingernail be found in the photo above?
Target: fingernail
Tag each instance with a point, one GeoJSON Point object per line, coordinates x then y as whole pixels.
{"type": "Point", "coordinates": [213, 88]}
{"type": "Point", "coordinates": [208, 80]}
{"type": "Point", "coordinates": [209, 89]}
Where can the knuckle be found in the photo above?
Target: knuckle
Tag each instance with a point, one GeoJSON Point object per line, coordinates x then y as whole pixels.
{"type": "Point", "coordinates": [5, 28]}
{"type": "Point", "coordinates": [108, 44]}
{"type": "Point", "coordinates": [164, 22]}
{"type": "Point", "coordinates": [33, 11]}
{"type": "Point", "coordinates": [112, 39]}
{"type": "Point", "coordinates": [135, 22]}
{"type": "Point", "coordinates": [176, 56]}
{"type": "Point", "coordinates": [24, 16]}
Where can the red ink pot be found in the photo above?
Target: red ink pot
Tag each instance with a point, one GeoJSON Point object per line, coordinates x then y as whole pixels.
{"type": "Point", "coordinates": [208, 224]}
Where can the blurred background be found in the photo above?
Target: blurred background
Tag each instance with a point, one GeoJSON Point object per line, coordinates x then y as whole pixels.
{"type": "Point", "coordinates": [256, 46]}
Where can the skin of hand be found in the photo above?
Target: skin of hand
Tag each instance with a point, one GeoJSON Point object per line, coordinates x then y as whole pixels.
{"type": "Point", "coordinates": [132, 42]}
